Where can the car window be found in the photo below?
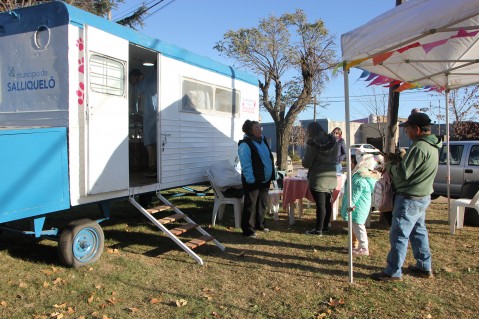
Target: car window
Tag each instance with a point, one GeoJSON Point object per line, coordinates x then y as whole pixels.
{"type": "Point", "coordinates": [356, 146]}
{"type": "Point", "coordinates": [456, 154]}
{"type": "Point", "coordinates": [368, 146]}
{"type": "Point", "coordinates": [474, 156]}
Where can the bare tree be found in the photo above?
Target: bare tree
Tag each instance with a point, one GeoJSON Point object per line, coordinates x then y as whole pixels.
{"type": "Point", "coordinates": [464, 108]}
{"type": "Point", "coordinates": [298, 134]}
{"type": "Point", "coordinates": [291, 68]}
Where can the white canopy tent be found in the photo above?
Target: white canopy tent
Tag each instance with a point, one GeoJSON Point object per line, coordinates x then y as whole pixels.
{"type": "Point", "coordinates": [430, 44]}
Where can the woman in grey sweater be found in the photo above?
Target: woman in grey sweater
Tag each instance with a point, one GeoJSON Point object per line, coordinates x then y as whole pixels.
{"type": "Point", "coordinates": [320, 160]}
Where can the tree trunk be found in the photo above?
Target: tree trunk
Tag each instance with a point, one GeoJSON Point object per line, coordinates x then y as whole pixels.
{"type": "Point", "coordinates": [392, 129]}
{"type": "Point", "coordinates": [283, 134]}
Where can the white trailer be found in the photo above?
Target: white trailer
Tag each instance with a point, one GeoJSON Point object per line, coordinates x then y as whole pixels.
{"type": "Point", "coordinates": [67, 128]}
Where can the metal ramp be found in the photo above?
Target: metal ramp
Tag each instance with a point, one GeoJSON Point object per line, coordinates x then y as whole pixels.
{"type": "Point", "coordinates": [179, 230]}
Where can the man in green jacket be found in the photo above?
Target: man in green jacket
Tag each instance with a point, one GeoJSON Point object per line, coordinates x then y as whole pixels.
{"type": "Point", "coordinates": [413, 179]}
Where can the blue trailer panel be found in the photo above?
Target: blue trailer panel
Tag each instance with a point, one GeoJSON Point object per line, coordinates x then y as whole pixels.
{"type": "Point", "coordinates": [34, 172]}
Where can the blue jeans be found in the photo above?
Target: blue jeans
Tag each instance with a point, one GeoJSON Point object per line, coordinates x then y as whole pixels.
{"type": "Point", "coordinates": [409, 217]}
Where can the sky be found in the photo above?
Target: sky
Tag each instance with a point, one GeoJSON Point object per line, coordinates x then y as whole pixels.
{"type": "Point", "coordinates": [197, 25]}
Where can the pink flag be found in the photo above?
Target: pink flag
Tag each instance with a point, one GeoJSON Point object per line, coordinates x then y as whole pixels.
{"type": "Point", "coordinates": [429, 46]}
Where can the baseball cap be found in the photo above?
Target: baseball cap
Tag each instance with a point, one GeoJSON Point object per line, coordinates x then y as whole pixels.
{"type": "Point", "coordinates": [417, 119]}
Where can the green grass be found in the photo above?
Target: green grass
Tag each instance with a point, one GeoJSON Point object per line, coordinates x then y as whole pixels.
{"type": "Point", "coordinates": [280, 274]}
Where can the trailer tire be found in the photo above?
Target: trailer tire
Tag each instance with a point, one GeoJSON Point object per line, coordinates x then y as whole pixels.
{"type": "Point", "coordinates": [81, 243]}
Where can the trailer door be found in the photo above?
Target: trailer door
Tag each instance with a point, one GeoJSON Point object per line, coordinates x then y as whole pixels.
{"type": "Point", "coordinates": [107, 140]}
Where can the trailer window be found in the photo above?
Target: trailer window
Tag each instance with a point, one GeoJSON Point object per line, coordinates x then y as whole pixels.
{"type": "Point", "coordinates": [197, 96]}
{"type": "Point", "coordinates": [107, 75]}
{"type": "Point", "coordinates": [226, 101]}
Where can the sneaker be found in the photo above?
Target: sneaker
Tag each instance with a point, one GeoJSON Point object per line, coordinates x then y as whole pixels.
{"type": "Point", "coordinates": [250, 234]}
{"type": "Point", "coordinates": [314, 232]}
{"type": "Point", "coordinates": [419, 272]}
{"type": "Point", "coordinates": [381, 276]}
{"type": "Point", "coordinates": [264, 229]}
{"type": "Point", "coordinates": [361, 252]}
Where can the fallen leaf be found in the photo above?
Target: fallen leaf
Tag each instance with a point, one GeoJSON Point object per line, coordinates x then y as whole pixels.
{"type": "Point", "coordinates": [215, 314]}
{"type": "Point", "coordinates": [133, 309]}
{"type": "Point", "coordinates": [81, 317]}
{"type": "Point", "coordinates": [112, 251]}
{"type": "Point", "coordinates": [62, 306]}
{"type": "Point", "coordinates": [90, 269]}
{"type": "Point", "coordinates": [428, 316]}
{"type": "Point", "coordinates": [98, 286]}
{"type": "Point", "coordinates": [335, 303]}
{"type": "Point", "coordinates": [58, 281]}
{"type": "Point", "coordinates": [46, 272]}
{"type": "Point", "coordinates": [56, 315]}
{"type": "Point", "coordinates": [447, 269]}
{"type": "Point", "coordinates": [276, 288]}
{"type": "Point", "coordinates": [181, 302]}
{"type": "Point", "coordinates": [113, 293]}
{"type": "Point", "coordinates": [90, 300]}
{"type": "Point", "coordinates": [105, 317]}
{"type": "Point", "coordinates": [95, 314]}
{"type": "Point", "coordinates": [22, 285]}
{"type": "Point", "coordinates": [71, 310]}
{"type": "Point", "coordinates": [154, 301]}
{"type": "Point", "coordinates": [45, 284]}
{"type": "Point", "coordinates": [113, 300]}
{"type": "Point", "coordinates": [39, 317]}
{"type": "Point", "coordinates": [3, 303]}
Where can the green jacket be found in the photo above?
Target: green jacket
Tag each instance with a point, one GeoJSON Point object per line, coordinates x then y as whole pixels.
{"type": "Point", "coordinates": [414, 175]}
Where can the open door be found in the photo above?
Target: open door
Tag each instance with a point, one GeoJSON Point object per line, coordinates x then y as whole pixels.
{"type": "Point", "coordinates": [107, 141]}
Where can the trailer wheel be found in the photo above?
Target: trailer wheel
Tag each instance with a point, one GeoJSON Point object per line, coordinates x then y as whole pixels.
{"type": "Point", "coordinates": [81, 243]}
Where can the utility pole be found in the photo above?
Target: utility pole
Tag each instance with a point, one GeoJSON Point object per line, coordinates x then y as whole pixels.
{"type": "Point", "coordinates": [314, 113]}
{"type": "Point", "coordinates": [393, 110]}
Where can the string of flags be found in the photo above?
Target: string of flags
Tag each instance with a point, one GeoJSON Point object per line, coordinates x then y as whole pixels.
{"type": "Point", "coordinates": [380, 58]}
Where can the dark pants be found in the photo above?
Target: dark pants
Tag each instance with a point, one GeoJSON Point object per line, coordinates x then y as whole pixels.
{"type": "Point", "coordinates": [323, 209]}
{"type": "Point", "coordinates": [254, 208]}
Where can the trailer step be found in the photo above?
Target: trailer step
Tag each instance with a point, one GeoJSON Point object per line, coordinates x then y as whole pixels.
{"type": "Point", "coordinates": [179, 229]}
{"type": "Point", "coordinates": [200, 241]}
{"type": "Point", "coordinates": [183, 229]}
{"type": "Point", "coordinates": [158, 209]}
{"type": "Point", "coordinates": [172, 218]}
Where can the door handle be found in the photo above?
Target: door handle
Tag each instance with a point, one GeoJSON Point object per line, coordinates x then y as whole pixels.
{"type": "Point", "coordinates": [468, 171]}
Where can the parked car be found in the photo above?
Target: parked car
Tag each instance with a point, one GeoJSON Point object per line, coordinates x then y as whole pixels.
{"type": "Point", "coordinates": [464, 165]}
{"type": "Point", "coordinates": [364, 148]}
{"type": "Point", "coordinates": [289, 163]}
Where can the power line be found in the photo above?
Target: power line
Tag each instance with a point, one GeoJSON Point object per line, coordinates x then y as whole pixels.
{"type": "Point", "coordinates": [159, 9]}
{"type": "Point", "coordinates": [128, 12]}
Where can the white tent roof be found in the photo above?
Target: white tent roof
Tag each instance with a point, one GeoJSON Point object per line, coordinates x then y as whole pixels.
{"type": "Point", "coordinates": [445, 33]}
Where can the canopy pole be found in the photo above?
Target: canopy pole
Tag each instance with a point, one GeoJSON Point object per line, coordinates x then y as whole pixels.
{"type": "Point", "coordinates": [448, 159]}
{"type": "Point", "coordinates": [348, 173]}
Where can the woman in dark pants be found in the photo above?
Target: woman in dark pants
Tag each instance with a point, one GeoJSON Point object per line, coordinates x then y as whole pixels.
{"type": "Point", "coordinates": [257, 172]}
{"type": "Point", "coordinates": [320, 158]}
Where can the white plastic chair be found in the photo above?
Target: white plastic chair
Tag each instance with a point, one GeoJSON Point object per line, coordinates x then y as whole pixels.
{"type": "Point", "coordinates": [456, 215]}
{"type": "Point", "coordinates": [274, 196]}
{"type": "Point", "coordinates": [221, 201]}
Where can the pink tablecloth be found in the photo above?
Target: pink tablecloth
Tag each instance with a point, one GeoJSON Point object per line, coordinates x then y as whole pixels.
{"type": "Point", "coordinates": [295, 188]}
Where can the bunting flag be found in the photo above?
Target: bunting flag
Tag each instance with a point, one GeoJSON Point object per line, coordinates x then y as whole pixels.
{"type": "Point", "coordinates": [380, 80]}
{"type": "Point", "coordinates": [381, 57]}
{"type": "Point", "coordinates": [427, 47]}
{"type": "Point", "coordinates": [336, 68]}
{"type": "Point", "coordinates": [364, 74]}
{"type": "Point", "coordinates": [371, 76]}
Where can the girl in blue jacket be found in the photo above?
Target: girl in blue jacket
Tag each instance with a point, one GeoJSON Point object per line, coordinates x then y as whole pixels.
{"type": "Point", "coordinates": [364, 177]}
